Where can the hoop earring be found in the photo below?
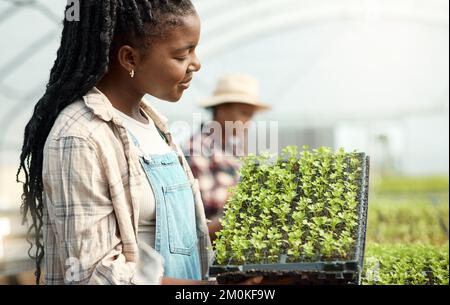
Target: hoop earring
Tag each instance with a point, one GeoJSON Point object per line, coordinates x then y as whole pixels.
{"type": "Point", "coordinates": [132, 73]}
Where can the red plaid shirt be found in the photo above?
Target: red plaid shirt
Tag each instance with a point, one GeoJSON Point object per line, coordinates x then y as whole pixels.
{"type": "Point", "coordinates": [215, 168]}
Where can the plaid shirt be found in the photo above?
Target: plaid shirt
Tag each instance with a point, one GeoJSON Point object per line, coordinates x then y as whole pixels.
{"type": "Point", "coordinates": [216, 169]}
{"type": "Point", "coordinates": [91, 186]}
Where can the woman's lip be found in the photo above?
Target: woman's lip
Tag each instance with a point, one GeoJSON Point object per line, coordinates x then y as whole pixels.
{"type": "Point", "coordinates": [186, 84]}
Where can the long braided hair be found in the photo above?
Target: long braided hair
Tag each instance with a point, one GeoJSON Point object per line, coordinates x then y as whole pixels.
{"type": "Point", "coordinates": [82, 60]}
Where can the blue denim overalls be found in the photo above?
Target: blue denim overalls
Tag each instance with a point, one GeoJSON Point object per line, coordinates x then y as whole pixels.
{"type": "Point", "coordinates": [176, 237]}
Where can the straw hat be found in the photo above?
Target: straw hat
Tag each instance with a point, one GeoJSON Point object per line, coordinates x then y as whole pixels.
{"type": "Point", "coordinates": [236, 88]}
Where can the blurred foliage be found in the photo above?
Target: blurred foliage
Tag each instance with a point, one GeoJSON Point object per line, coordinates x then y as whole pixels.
{"type": "Point", "coordinates": [408, 222]}
{"type": "Point", "coordinates": [409, 210]}
{"type": "Point", "coordinates": [409, 217]}
{"type": "Point", "coordinates": [402, 184]}
{"type": "Point", "coordinates": [406, 265]}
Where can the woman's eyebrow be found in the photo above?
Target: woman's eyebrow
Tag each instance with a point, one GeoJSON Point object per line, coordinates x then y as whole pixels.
{"type": "Point", "coordinates": [188, 47]}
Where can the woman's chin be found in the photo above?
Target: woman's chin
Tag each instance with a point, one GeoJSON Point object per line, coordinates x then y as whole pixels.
{"type": "Point", "coordinates": [174, 100]}
{"type": "Point", "coordinates": [176, 97]}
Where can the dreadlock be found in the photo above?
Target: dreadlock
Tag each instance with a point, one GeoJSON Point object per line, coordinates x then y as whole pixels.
{"type": "Point", "coordinates": [82, 60]}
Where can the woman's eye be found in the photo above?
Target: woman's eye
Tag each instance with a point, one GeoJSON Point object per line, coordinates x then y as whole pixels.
{"type": "Point", "coordinates": [181, 58]}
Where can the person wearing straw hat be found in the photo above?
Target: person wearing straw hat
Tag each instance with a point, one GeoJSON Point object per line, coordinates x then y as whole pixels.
{"type": "Point", "coordinates": [213, 152]}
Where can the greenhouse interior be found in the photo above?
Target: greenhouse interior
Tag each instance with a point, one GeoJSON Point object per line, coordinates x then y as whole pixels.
{"type": "Point", "coordinates": [366, 76]}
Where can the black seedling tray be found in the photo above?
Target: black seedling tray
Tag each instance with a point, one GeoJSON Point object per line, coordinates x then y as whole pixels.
{"type": "Point", "coordinates": [309, 273]}
{"type": "Point", "coordinates": [295, 277]}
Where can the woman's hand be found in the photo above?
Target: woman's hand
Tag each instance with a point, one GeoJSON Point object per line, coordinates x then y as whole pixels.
{"type": "Point", "coordinates": [252, 281]}
{"type": "Point", "coordinates": [170, 281]}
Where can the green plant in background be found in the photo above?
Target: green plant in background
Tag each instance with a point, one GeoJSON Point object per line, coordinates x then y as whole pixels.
{"type": "Point", "coordinates": [398, 184]}
{"type": "Point", "coordinates": [410, 217]}
{"type": "Point", "coordinates": [406, 265]}
{"type": "Point", "coordinates": [418, 221]}
{"type": "Point", "coordinates": [302, 205]}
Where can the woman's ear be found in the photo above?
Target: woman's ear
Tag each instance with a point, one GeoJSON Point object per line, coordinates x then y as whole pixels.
{"type": "Point", "coordinates": [128, 58]}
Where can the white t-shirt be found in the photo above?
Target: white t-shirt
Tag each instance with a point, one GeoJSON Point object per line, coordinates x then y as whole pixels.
{"type": "Point", "coordinates": [150, 142]}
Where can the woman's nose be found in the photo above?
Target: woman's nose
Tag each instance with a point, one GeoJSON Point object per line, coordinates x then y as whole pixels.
{"type": "Point", "coordinates": [196, 64]}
